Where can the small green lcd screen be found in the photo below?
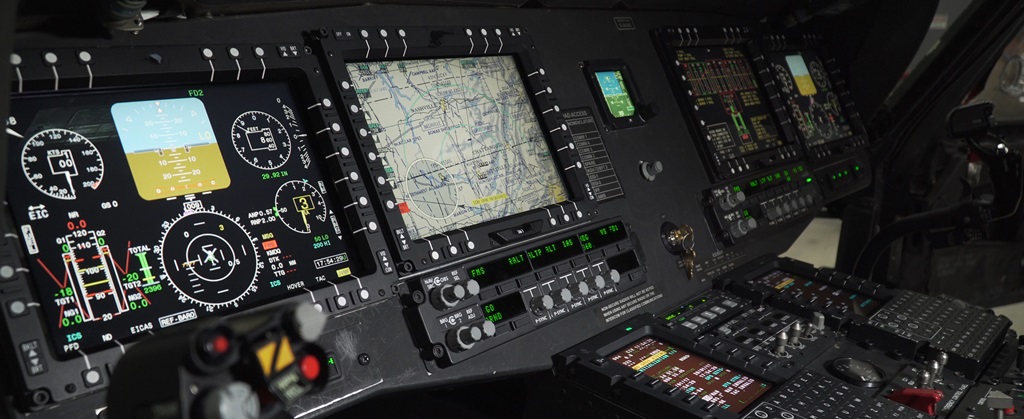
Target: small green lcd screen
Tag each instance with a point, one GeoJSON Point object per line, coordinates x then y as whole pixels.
{"type": "Point", "coordinates": [616, 96]}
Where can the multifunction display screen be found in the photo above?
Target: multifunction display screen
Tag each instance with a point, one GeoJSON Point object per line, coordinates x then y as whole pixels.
{"type": "Point", "coordinates": [730, 390]}
{"type": "Point", "coordinates": [810, 98]}
{"type": "Point", "coordinates": [814, 293]}
{"type": "Point", "coordinates": [616, 94]}
{"type": "Point", "coordinates": [733, 113]}
{"type": "Point", "coordinates": [142, 209]}
{"type": "Point", "coordinates": [459, 140]}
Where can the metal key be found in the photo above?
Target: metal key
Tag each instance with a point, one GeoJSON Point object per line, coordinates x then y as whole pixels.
{"type": "Point", "coordinates": [687, 257]}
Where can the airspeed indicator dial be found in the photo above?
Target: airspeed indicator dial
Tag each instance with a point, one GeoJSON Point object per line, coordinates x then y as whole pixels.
{"type": "Point", "coordinates": [209, 259]}
{"type": "Point", "coordinates": [60, 162]}
{"type": "Point", "coordinates": [300, 206]}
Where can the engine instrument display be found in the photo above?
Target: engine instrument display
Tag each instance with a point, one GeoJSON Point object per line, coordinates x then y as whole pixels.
{"type": "Point", "coordinates": [459, 140]}
{"type": "Point", "coordinates": [814, 293]}
{"type": "Point", "coordinates": [730, 390]}
{"type": "Point", "coordinates": [142, 209]}
{"type": "Point", "coordinates": [731, 109]}
{"type": "Point", "coordinates": [810, 99]}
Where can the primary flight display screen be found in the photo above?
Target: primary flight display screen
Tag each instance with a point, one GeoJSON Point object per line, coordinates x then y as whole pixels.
{"type": "Point", "coordinates": [731, 109]}
{"type": "Point", "coordinates": [819, 294]}
{"type": "Point", "coordinates": [459, 140]}
{"type": "Point", "coordinates": [810, 98]}
{"type": "Point", "coordinates": [142, 209]}
{"type": "Point", "coordinates": [730, 390]}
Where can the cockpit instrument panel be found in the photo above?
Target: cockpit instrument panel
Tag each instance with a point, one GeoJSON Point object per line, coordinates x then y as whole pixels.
{"type": "Point", "coordinates": [142, 209]}
{"type": "Point", "coordinates": [812, 102]}
{"type": "Point", "coordinates": [735, 117]}
{"type": "Point", "coordinates": [465, 146]}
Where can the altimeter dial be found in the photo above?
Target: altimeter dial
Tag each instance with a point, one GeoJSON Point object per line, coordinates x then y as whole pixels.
{"type": "Point", "coordinates": [261, 140]}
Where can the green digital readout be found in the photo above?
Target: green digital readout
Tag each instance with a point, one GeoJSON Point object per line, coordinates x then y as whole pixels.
{"type": "Point", "coordinates": [561, 250]}
{"type": "Point", "coordinates": [616, 96]}
{"type": "Point", "coordinates": [602, 236]}
{"type": "Point", "coordinates": [554, 252]}
{"type": "Point", "coordinates": [499, 270]}
{"type": "Point", "coordinates": [504, 308]}
{"type": "Point", "coordinates": [674, 314]}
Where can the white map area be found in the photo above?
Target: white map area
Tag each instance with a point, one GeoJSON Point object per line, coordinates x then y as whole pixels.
{"type": "Point", "coordinates": [459, 139]}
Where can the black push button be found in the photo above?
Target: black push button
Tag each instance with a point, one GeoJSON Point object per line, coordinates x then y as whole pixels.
{"type": "Point", "coordinates": [516, 233]}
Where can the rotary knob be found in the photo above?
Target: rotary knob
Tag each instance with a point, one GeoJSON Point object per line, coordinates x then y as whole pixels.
{"type": "Point", "coordinates": [732, 200]}
{"type": "Point", "coordinates": [464, 337]}
{"type": "Point", "coordinates": [597, 282]}
{"type": "Point", "coordinates": [472, 288]}
{"type": "Point", "coordinates": [614, 274]}
{"type": "Point", "coordinates": [448, 295]}
{"type": "Point", "coordinates": [740, 228]}
{"type": "Point", "coordinates": [650, 170]}
{"type": "Point", "coordinates": [542, 304]}
{"type": "Point", "coordinates": [582, 289]}
{"type": "Point", "coordinates": [562, 296]}
{"type": "Point", "coordinates": [488, 328]}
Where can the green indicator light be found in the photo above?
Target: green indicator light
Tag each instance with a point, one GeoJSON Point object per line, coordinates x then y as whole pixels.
{"type": "Point", "coordinates": [330, 360]}
{"type": "Point", "coordinates": [809, 180]}
{"type": "Point", "coordinates": [629, 329]}
{"type": "Point", "coordinates": [789, 179]}
{"type": "Point", "coordinates": [736, 188]}
{"type": "Point", "coordinates": [856, 168]}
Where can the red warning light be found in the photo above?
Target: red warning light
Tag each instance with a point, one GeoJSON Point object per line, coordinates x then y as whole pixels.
{"type": "Point", "coordinates": [403, 207]}
{"type": "Point", "coordinates": [270, 244]}
{"type": "Point", "coordinates": [310, 367]}
{"type": "Point", "coordinates": [221, 345]}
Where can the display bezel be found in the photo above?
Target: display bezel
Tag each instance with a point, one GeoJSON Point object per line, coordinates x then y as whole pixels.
{"type": "Point", "coordinates": [612, 122]}
{"type": "Point", "coordinates": [670, 39]}
{"type": "Point", "coordinates": [104, 70]}
{"type": "Point", "coordinates": [342, 46]}
{"type": "Point", "coordinates": [593, 355]}
{"type": "Point", "coordinates": [838, 147]}
{"type": "Point", "coordinates": [742, 282]}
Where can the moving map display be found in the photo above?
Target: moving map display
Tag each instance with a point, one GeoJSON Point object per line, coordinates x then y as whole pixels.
{"type": "Point", "coordinates": [732, 111]}
{"type": "Point", "coordinates": [143, 209]}
{"type": "Point", "coordinates": [810, 98]}
{"type": "Point", "coordinates": [730, 390]}
{"type": "Point", "coordinates": [459, 140]}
